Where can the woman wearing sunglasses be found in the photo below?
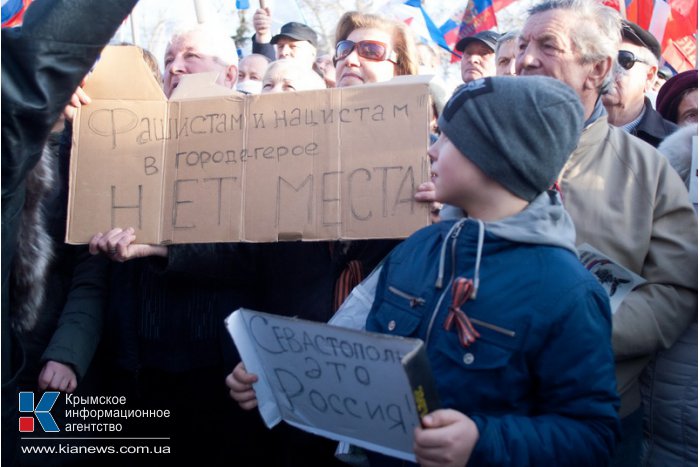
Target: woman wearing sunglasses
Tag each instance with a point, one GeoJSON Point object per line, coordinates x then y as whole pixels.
{"type": "Point", "coordinates": [369, 49]}
{"type": "Point", "coordinates": [372, 49]}
{"type": "Point", "coordinates": [319, 275]}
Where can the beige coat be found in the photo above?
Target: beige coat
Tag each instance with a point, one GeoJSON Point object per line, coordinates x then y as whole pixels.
{"type": "Point", "coordinates": [627, 201]}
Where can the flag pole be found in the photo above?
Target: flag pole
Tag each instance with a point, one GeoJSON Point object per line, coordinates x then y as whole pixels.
{"type": "Point", "coordinates": [200, 9]}
{"type": "Point", "coordinates": [133, 29]}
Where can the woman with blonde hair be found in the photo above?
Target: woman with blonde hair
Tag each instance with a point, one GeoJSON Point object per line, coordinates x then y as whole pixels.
{"type": "Point", "coordinates": [371, 48]}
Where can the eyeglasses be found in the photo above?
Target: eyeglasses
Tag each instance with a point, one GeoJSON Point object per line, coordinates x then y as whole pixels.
{"type": "Point", "coordinates": [371, 50]}
{"type": "Point", "coordinates": [627, 59]}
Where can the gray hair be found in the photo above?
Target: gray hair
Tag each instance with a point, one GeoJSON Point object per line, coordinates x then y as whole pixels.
{"type": "Point", "coordinates": [215, 42]}
{"type": "Point", "coordinates": [599, 39]}
{"type": "Point", "coordinates": [256, 55]}
{"type": "Point", "coordinates": [308, 78]}
{"type": "Point", "coordinates": [506, 37]}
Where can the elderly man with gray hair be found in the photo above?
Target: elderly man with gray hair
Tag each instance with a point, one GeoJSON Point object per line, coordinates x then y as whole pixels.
{"type": "Point", "coordinates": [506, 51]}
{"type": "Point", "coordinates": [635, 74]}
{"type": "Point", "coordinates": [624, 198]}
{"type": "Point", "coordinates": [199, 49]}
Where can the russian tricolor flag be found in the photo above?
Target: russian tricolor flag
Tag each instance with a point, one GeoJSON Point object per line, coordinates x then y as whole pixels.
{"type": "Point", "coordinates": [414, 15]}
{"type": "Point", "coordinates": [674, 23]}
{"type": "Point", "coordinates": [479, 15]}
{"type": "Point", "coordinates": [450, 28]}
{"type": "Point", "coordinates": [13, 12]}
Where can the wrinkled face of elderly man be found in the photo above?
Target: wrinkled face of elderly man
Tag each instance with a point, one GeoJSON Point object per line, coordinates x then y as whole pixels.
{"type": "Point", "coordinates": [251, 70]}
{"type": "Point", "coordinates": [505, 58]}
{"type": "Point", "coordinates": [288, 75]}
{"type": "Point", "coordinates": [478, 61]}
{"type": "Point", "coordinates": [625, 99]}
{"type": "Point", "coordinates": [304, 51]}
{"type": "Point", "coordinates": [545, 47]}
{"type": "Point", "coordinates": [188, 53]}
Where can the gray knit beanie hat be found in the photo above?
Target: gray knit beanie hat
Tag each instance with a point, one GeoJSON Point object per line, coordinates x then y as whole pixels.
{"type": "Point", "coordinates": [518, 130]}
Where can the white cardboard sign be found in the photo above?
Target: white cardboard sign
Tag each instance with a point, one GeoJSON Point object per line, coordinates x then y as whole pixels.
{"type": "Point", "coordinates": [339, 383]}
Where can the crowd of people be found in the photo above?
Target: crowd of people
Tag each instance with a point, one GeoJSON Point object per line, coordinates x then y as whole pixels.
{"type": "Point", "coordinates": [557, 137]}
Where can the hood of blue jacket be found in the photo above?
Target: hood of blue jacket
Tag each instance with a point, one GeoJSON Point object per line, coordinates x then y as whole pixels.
{"type": "Point", "coordinates": [543, 222]}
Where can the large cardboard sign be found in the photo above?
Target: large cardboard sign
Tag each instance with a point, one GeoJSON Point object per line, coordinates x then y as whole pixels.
{"type": "Point", "coordinates": [340, 383]}
{"type": "Point", "coordinates": [213, 165]}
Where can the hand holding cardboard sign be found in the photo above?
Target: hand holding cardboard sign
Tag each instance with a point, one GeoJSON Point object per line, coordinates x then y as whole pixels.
{"type": "Point", "coordinates": [78, 98]}
{"type": "Point", "coordinates": [426, 194]}
{"type": "Point", "coordinates": [447, 438]}
{"type": "Point", "coordinates": [199, 168]}
{"type": "Point", "coordinates": [240, 384]}
{"type": "Point", "coordinates": [118, 245]}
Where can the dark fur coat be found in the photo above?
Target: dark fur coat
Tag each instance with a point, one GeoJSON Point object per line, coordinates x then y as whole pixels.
{"type": "Point", "coordinates": [34, 248]}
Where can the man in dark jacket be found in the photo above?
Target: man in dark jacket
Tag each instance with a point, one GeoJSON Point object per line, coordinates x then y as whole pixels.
{"type": "Point", "coordinates": [635, 74]}
{"type": "Point", "coordinates": [42, 64]}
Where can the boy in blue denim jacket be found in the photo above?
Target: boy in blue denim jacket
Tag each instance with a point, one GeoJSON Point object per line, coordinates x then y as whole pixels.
{"type": "Point", "coordinates": [517, 331]}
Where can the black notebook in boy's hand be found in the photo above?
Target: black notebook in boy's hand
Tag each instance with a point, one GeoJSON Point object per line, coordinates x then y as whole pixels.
{"type": "Point", "coordinates": [420, 377]}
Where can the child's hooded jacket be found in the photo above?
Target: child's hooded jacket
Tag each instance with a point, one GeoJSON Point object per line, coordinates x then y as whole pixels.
{"type": "Point", "coordinates": [539, 380]}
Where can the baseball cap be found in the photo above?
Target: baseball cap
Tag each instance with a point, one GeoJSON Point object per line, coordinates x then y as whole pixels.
{"type": "Point", "coordinates": [488, 38]}
{"type": "Point", "coordinates": [298, 32]}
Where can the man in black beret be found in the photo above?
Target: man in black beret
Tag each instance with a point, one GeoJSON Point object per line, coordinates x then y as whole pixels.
{"type": "Point", "coordinates": [635, 75]}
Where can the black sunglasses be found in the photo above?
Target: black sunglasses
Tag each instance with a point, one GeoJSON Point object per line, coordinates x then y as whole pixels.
{"type": "Point", "coordinates": [627, 59]}
{"type": "Point", "coordinates": [371, 50]}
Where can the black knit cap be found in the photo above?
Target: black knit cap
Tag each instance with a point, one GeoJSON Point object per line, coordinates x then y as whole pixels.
{"type": "Point", "coordinates": [518, 131]}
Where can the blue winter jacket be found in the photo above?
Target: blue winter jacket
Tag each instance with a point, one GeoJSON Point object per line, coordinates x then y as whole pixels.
{"type": "Point", "coordinates": [539, 382]}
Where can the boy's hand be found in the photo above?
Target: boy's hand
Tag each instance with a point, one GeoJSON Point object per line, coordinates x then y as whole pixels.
{"type": "Point", "coordinates": [118, 245]}
{"type": "Point", "coordinates": [240, 383]}
{"type": "Point", "coordinates": [58, 377]}
{"type": "Point", "coordinates": [446, 438]}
